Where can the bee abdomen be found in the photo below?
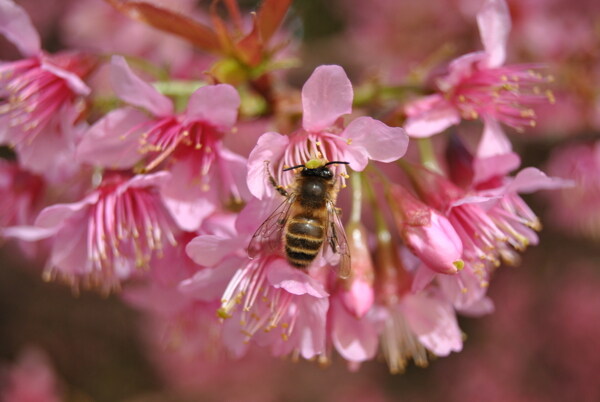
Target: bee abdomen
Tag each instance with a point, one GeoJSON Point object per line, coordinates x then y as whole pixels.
{"type": "Point", "coordinates": [303, 240]}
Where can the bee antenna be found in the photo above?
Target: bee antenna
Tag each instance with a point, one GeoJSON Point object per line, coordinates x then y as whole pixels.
{"type": "Point", "coordinates": [340, 162]}
{"type": "Point", "coordinates": [293, 167]}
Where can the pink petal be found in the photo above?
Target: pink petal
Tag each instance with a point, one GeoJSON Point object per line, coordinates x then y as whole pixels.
{"type": "Point", "coordinates": [73, 81]}
{"type": "Point", "coordinates": [158, 300]}
{"type": "Point", "coordinates": [209, 250]}
{"type": "Point", "coordinates": [481, 307]}
{"type": "Point", "coordinates": [355, 339]}
{"type": "Point", "coordinates": [106, 144]}
{"type": "Point", "coordinates": [215, 104]}
{"type": "Point", "coordinates": [27, 233]}
{"type": "Point", "coordinates": [493, 141]}
{"type": "Point", "coordinates": [531, 179]}
{"type": "Point", "coordinates": [49, 152]}
{"type": "Point", "coordinates": [270, 146]}
{"type": "Point", "coordinates": [294, 281]}
{"type": "Point", "coordinates": [309, 334]}
{"type": "Point", "coordinates": [494, 26]}
{"type": "Point", "coordinates": [185, 196]}
{"type": "Point", "coordinates": [326, 95]}
{"type": "Point", "coordinates": [157, 179]}
{"type": "Point", "coordinates": [209, 284]}
{"type": "Point", "coordinates": [69, 251]}
{"type": "Point", "coordinates": [374, 139]}
{"type": "Point", "coordinates": [16, 26]}
{"type": "Point", "coordinates": [429, 116]}
{"type": "Point", "coordinates": [423, 277]}
{"type": "Point", "coordinates": [494, 166]}
{"type": "Point", "coordinates": [433, 320]}
{"type": "Point", "coordinates": [133, 90]}
{"type": "Point", "coordinates": [55, 215]}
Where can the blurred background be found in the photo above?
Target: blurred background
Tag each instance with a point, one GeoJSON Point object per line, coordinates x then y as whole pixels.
{"type": "Point", "coordinates": [540, 344]}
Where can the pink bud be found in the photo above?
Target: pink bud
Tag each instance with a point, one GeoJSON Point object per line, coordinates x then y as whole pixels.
{"type": "Point", "coordinates": [428, 234]}
{"type": "Point", "coordinates": [357, 294]}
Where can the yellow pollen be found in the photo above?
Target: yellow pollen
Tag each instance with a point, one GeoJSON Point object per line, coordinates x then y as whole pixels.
{"type": "Point", "coordinates": [349, 141]}
{"type": "Point", "coordinates": [550, 96]}
{"type": "Point", "coordinates": [464, 290]}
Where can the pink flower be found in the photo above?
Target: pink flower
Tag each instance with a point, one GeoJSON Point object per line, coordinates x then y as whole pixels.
{"type": "Point", "coordinates": [102, 239]}
{"type": "Point", "coordinates": [266, 300]}
{"type": "Point", "coordinates": [356, 292]}
{"type": "Point", "coordinates": [31, 379]}
{"type": "Point", "coordinates": [205, 174]}
{"type": "Point", "coordinates": [427, 233]}
{"type": "Point", "coordinates": [326, 96]}
{"type": "Point", "coordinates": [43, 95]}
{"type": "Point", "coordinates": [479, 86]}
{"type": "Point", "coordinates": [22, 194]}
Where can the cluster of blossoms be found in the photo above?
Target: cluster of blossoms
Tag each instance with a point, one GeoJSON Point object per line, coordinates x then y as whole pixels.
{"type": "Point", "coordinates": [153, 192]}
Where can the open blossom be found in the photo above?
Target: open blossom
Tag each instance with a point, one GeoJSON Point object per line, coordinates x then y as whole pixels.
{"type": "Point", "coordinates": [326, 96]}
{"type": "Point", "coordinates": [43, 94]}
{"type": "Point", "coordinates": [102, 239]}
{"type": "Point", "coordinates": [491, 219]}
{"type": "Point", "coordinates": [190, 143]}
{"type": "Point", "coordinates": [478, 85]}
{"type": "Point", "coordinates": [266, 300]}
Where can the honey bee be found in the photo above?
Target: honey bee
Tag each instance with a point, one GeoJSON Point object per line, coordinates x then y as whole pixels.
{"type": "Point", "coordinates": [306, 220]}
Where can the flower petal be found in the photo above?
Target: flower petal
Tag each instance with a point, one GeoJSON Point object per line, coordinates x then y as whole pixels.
{"type": "Point", "coordinates": [215, 104]}
{"type": "Point", "coordinates": [354, 338]}
{"type": "Point", "coordinates": [429, 116]}
{"type": "Point", "coordinates": [209, 250]}
{"type": "Point", "coordinates": [294, 281]}
{"type": "Point", "coordinates": [16, 25]}
{"type": "Point", "coordinates": [111, 142]}
{"type": "Point", "coordinates": [326, 95]}
{"type": "Point", "coordinates": [73, 81]}
{"type": "Point", "coordinates": [531, 179]}
{"type": "Point", "coordinates": [55, 215]}
{"type": "Point", "coordinates": [135, 91]}
{"type": "Point", "coordinates": [493, 141]}
{"type": "Point", "coordinates": [377, 140]}
{"type": "Point", "coordinates": [494, 26]}
{"type": "Point", "coordinates": [270, 146]}
{"type": "Point", "coordinates": [433, 320]}
{"type": "Point", "coordinates": [494, 166]}
{"type": "Point", "coordinates": [209, 284]}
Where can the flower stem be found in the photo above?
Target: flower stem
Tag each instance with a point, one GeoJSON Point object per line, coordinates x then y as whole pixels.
{"type": "Point", "coordinates": [357, 196]}
{"type": "Point", "coordinates": [427, 153]}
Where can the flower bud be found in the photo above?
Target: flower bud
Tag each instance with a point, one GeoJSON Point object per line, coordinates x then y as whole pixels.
{"type": "Point", "coordinates": [357, 293]}
{"type": "Point", "coordinates": [428, 234]}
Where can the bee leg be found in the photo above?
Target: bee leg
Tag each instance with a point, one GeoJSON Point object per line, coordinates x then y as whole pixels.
{"type": "Point", "coordinates": [273, 182]}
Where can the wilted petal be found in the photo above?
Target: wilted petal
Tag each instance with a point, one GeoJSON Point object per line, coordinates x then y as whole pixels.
{"type": "Point", "coordinates": [493, 141]}
{"type": "Point", "coordinates": [494, 26]}
{"type": "Point", "coordinates": [106, 142]}
{"type": "Point", "coordinates": [375, 140]}
{"type": "Point", "coordinates": [270, 146]}
{"type": "Point", "coordinates": [429, 116]}
{"type": "Point", "coordinates": [16, 25]}
{"type": "Point", "coordinates": [215, 104]}
{"type": "Point", "coordinates": [326, 95]}
{"type": "Point", "coordinates": [135, 91]}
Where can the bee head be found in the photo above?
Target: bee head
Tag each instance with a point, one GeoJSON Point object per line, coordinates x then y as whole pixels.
{"type": "Point", "coordinates": [316, 167]}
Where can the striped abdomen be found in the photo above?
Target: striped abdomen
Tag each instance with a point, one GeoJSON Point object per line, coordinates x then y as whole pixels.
{"type": "Point", "coordinates": [303, 239]}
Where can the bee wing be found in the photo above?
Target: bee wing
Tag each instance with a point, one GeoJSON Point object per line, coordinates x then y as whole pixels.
{"type": "Point", "coordinates": [336, 238]}
{"type": "Point", "coordinates": [269, 235]}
